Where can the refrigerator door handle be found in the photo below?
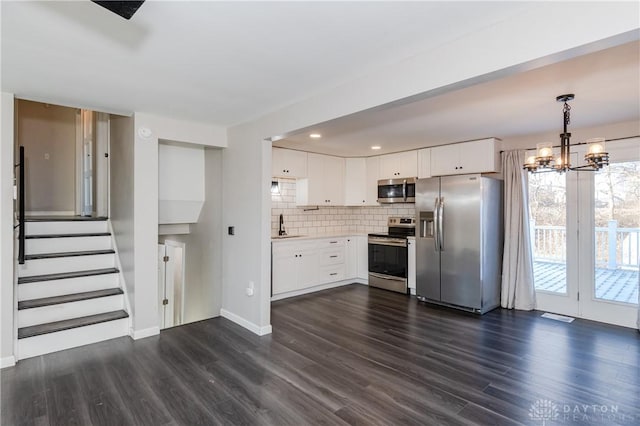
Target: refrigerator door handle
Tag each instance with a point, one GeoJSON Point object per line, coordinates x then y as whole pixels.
{"type": "Point", "coordinates": [436, 232]}
{"type": "Point", "coordinates": [441, 223]}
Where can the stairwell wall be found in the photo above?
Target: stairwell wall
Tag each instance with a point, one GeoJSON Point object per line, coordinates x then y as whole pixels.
{"type": "Point", "coordinates": [121, 197]}
{"type": "Point", "coordinates": [7, 239]}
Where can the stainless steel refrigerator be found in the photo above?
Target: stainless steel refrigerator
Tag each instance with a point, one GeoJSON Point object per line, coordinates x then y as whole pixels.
{"type": "Point", "coordinates": [459, 241]}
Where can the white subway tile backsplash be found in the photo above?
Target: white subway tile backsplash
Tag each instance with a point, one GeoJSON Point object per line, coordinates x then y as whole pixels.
{"type": "Point", "coordinates": [327, 220]}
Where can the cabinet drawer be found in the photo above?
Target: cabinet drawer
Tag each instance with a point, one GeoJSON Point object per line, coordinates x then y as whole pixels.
{"type": "Point", "coordinates": [328, 274]}
{"type": "Point", "coordinates": [331, 243]}
{"type": "Point", "coordinates": [332, 256]}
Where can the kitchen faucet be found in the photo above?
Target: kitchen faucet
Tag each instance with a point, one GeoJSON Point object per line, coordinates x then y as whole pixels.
{"type": "Point", "coordinates": [281, 230]}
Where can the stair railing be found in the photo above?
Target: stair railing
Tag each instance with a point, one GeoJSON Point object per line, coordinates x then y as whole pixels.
{"type": "Point", "coordinates": [21, 230]}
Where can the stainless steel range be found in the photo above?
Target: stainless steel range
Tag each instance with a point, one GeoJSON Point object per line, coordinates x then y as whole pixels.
{"type": "Point", "coordinates": [388, 255]}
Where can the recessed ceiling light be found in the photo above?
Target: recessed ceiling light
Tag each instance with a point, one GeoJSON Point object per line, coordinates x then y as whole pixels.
{"type": "Point", "coordinates": [376, 147]}
{"type": "Point", "coordinates": [315, 135]}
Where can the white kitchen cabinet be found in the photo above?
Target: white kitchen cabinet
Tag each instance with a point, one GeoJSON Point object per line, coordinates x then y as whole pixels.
{"type": "Point", "coordinates": [399, 165]}
{"type": "Point", "coordinates": [361, 181]}
{"type": "Point", "coordinates": [411, 264]}
{"type": "Point", "coordinates": [288, 163]}
{"type": "Point", "coordinates": [295, 265]}
{"type": "Point", "coordinates": [424, 163]}
{"type": "Point", "coordinates": [363, 257]}
{"type": "Point", "coordinates": [482, 156]}
{"type": "Point", "coordinates": [324, 184]}
{"type": "Point", "coordinates": [351, 258]}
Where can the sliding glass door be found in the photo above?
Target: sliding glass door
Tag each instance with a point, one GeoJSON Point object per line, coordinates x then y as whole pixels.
{"type": "Point", "coordinates": [585, 234]}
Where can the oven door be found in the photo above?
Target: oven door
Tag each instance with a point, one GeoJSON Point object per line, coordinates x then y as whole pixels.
{"type": "Point", "coordinates": [388, 263]}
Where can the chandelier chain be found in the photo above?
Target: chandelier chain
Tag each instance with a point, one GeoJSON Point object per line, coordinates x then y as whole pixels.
{"type": "Point", "coordinates": [567, 113]}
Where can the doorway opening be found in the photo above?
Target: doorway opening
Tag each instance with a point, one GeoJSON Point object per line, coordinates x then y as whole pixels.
{"type": "Point", "coordinates": [171, 283]}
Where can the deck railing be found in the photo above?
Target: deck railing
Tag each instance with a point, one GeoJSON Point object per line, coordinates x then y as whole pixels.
{"type": "Point", "coordinates": [615, 247]}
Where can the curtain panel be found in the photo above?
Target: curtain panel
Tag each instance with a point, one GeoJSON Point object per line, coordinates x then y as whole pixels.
{"type": "Point", "coordinates": [518, 289]}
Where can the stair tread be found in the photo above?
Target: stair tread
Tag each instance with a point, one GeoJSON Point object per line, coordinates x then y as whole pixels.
{"type": "Point", "coordinates": [52, 327]}
{"type": "Point", "coordinates": [68, 254]}
{"type": "Point", "coordinates": [64, 275]}
{"type": "Point", "coordinates": [64, 219]}
{"type": "Point", "coordinates": [86, 234]}
{"type": "Point", "coordinates": [75, 297]}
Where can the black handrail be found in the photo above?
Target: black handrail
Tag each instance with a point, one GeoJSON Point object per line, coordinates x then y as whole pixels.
{"type": "Point", "coordinates": [21, 208]}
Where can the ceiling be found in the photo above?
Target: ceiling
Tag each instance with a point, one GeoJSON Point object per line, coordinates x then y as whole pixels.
{"type": "Point", "coordinates": [230, 62]}
{"type": "Point", "coordinates": [606, 85]}
{"type": "Point", "coordinates": [220, 62]}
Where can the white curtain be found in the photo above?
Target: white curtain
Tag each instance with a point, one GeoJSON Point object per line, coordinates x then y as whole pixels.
{"type": "Point", "coordinates": [518, 290]}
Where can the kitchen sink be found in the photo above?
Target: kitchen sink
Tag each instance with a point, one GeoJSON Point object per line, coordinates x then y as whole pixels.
{"type": "Point", "coordinates": [282, 237]}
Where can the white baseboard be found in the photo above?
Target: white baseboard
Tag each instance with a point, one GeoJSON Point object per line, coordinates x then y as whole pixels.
{"type": "Point", "coordinates": [254, 328]}
{"type": "Point", "coordinates": [147, 332]}
{"type": "Point", "coordinates": [317, 288]}
{"type": "Point", "coordinates": [8, 361]}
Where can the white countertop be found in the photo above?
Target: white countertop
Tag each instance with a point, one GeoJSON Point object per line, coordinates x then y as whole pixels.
{"type": "Point", "coordinates": [318, 236]}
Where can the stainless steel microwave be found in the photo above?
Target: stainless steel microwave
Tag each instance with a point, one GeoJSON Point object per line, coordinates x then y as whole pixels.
{"type": "Point", "coordinates": [400, 190]}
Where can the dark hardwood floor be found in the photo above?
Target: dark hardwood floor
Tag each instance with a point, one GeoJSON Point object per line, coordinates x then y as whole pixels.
{"type": "Point", "coordinates": [351, 355]}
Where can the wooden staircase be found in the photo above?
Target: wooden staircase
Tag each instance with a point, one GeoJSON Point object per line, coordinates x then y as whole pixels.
{"type": "Point", "coordinates": [69, 291]}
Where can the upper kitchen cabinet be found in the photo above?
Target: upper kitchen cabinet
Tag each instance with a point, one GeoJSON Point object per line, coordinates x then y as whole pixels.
{"type": "Point", "coordinates": [361, 176]}
{"type": "Point", "coordinates": [399, 165]}
{"type": "Point", "coordinates": [288, 163]}
{"type": "Point", "coordinates": [482, 156]}
{"type": "Point", "coordinates": [324, 184]}
{"type": "Point", "coordinates": [424, 163]}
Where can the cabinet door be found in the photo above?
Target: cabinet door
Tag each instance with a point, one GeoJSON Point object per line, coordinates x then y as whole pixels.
{"type": "Point", "coordinates": [363, 257]}
{"type": "Point", "coordinates": [288, 163]}
{"type": "Point", "coordinates": [373, 173]}
{"type": "Point", "coordinates": [445, 160]}
{"type": "Point", "coordinates": [351, 258]}
{"type": "Point", "coordinates": [479, 156]}
{"type": "Point", "coordinates": [399, 165]}
{"type": "Point", "coordinates": [333, 181]}
{"type": "Point", "coordinates": [424, 163]}
{"type": "Point", "coordinates": [355, 185]}
{"type": "Point", "coordinates": [411, 264]}
{"type": "Point", "coordinates": [311, 189]}
{"type": "Point", "coordinates": [285, 268]}
{"type": "Point", "coordinates": [308, 268]}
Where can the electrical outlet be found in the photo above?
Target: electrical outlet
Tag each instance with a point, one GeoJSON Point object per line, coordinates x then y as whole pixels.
{"type": "Point", "coordinates": [46, 156]}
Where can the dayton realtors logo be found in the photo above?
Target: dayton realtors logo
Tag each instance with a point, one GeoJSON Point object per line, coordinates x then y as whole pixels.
{"type": "Point", "coordinates": [549, 412]}
{"type": "Point", "coordinates": [544, 410]}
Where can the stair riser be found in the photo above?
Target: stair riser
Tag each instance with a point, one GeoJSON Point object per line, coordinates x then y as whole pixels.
{"type": "Point", "coordinates": [61, 245]}
{"type": "Point", "coordinates": [64, 311]}
{"type": "Point", "coordinates": [53, 342]}
{"type": "Point", "coordinates": [52, 288]}
{"type": "Point", "coordinates": [70, 227]}
{"type": "Point", "coordinates": [65, 264]}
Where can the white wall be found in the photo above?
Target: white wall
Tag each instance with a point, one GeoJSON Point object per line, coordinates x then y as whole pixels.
{"type": "Point", "coordinates": [181, 182]}
{"type": "Point", "coordinates": [536, 37]}
{"type": "Point", "coordinates": [121, 198]}
{"type": "Point", "coordinates": [7, 257]}
{"type": "Point", "coordinates": [48, 134]}
{"type": "Point", "coordinates": [193, 132]}
{"type": "Point", "coordinates": [145, 211]}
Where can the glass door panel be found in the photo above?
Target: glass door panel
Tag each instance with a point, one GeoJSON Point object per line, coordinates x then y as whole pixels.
{"type": "Point", "coordinates": [548, 219]}
{"type": "Point", "coordinates": [617, 232]}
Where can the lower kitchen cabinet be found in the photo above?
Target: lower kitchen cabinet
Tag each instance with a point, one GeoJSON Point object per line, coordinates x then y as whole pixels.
{"type": "Point", "coordinates": [363, 257]}
{"type": "Point", "coordinates": [295, 266]}
{"type": "Point", "coordinates": [411, 264]}
{"type": "Point", "coordinates": [301, 264]}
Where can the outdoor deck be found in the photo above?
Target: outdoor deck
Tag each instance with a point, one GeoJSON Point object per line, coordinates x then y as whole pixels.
{"type": "Point", "coordinates": [613, 284]}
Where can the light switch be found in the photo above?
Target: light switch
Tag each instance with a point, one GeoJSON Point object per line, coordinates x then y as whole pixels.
{"type": "Point", "coordinates": [46, 155]}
